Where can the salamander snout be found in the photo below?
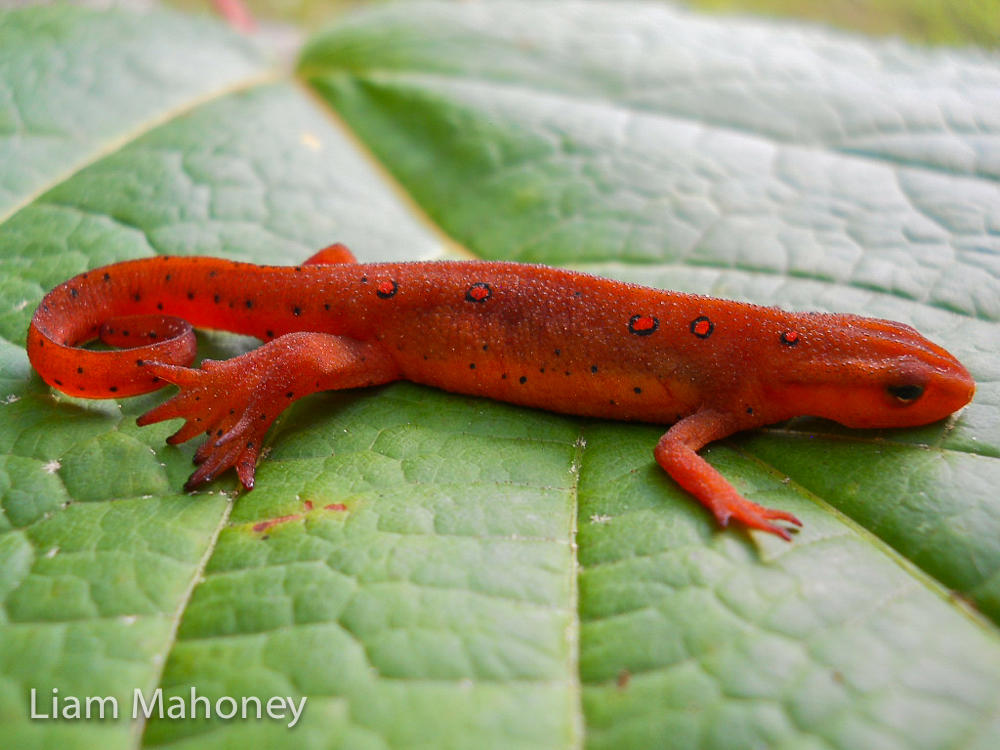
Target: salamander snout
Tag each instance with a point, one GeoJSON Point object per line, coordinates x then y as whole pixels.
{"type": "Point", "coordinates": [944, 387]}
{"type": "Point", "coordinates": [864, 372]}
{"type": "Point", "coordinates": [914, 382]}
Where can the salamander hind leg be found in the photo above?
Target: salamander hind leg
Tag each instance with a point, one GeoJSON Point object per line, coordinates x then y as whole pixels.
{"type": "Point", "coordinates": [677, 454]}
{"type": "Point", "coordinates": [235, 401]}
{"type": "Point", "coordinates": [332, 255]}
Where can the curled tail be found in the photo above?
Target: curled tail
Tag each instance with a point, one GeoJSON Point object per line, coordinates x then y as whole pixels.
{"type": "Point", "coordinates": [143, 307]}
{"type": "Point", "coordinates": [138, 306]}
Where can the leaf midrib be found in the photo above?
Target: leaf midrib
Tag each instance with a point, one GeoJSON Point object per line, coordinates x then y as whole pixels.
{"type": "Point", "coordinates": [160, 659]}
{"type": "Point", "coordinates": [579, 721]}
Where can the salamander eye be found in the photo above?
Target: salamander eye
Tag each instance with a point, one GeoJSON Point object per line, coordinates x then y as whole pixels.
{"type": "Point", "coordinates": [906, 394]}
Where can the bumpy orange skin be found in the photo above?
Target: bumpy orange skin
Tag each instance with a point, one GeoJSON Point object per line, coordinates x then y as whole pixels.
{"type": "Point", "coordinates": [530, 335]}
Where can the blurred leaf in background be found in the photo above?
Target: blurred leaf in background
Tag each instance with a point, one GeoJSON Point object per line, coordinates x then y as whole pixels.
{"type": "Point", "coordinates": [935, 21]}
{"type": "Point", "coordinates": [952, 22]}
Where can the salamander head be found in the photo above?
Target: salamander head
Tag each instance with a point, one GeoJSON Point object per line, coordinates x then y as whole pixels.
{"type": "Point", "coordinates": [864, 372]}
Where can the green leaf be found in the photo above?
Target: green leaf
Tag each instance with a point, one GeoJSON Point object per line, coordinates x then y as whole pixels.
{"type": "Point", "coordinates": [439, 571]}
{"type": "Point", "coordinates": [77, 88]}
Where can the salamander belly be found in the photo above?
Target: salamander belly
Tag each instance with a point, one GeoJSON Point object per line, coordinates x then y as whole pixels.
{"type": "Point", "coordinates": [572, 378]}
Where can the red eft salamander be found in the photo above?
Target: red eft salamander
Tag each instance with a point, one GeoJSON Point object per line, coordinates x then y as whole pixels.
{"type": "Point", "coordinates": [530, 335]}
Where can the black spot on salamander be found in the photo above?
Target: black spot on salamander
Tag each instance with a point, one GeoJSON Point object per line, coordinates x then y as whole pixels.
{"type": "Point", "coordinates": [159, 305]}
{"type": "Point", "coordinates": [167, 277]}
{"type": "Point", "coordinates": [59, 382]}
{"type": "Point", "coordinates": [249, 304]}
{"type": "Point", "coordinates": [113, 389]}
{"type": "Point", "coordinates": [296, 311]}
{"type": "Point", "coordinates": [107, 277]}
{"type": "Point", "coordinates": [140, 363]}
{"type": "Point", "coordinates": [637, 389]}
{"type": "Point", "coordinates": [298, 269]}
{"type": "Point", "coordinates": [216, 299]}
{"type": "Point", "coordinates": [79, 371]}
{"type": "Point", "coordinates": [137, 296]}
{"type": "Point", "coordinates": [541, 369]}
{"type": "Point", "coordinates": [269, 334]}
{"type": "Point", "coordinates": [364, 279]}
{"type": "Point", "coordinates": [289, 394]}
{"type": "Point", "coordinates": [263, 416]}
{"type": "Point", "coordinates": [750, 410]}
{"type": "Point", "coordinates": [73, 292]}
{"type": "Point", "coordinates": [190, 294]}
{"type": "Point", "coordinates": [486, 347]}
{"type": "Point", "coordinates": [503, 376]}
{"type": "Point", "coordinates": [523, 379]}
{"type": "Point", "coordinates": [593, 368]}
{"type": "Point", "coordinates": [472, 365]}
{"type": "Point", "coordinates": [326, 306]}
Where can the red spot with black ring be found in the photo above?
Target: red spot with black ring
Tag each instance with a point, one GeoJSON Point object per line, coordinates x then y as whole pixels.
{"type": "Point", "coordinates": [702, 327]}
{"type": "Point", "coordinates": [642, 325]}
{"type": "Point", "coordinates": [386, 289]}
{"type": "Point", "coordinates": [478, 292]}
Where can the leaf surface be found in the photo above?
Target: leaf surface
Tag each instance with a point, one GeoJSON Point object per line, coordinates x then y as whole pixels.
{"type": "Point", "coordinates": [440, 571]}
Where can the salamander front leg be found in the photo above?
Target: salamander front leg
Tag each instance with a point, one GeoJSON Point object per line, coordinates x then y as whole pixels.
{"type": "Point", "coordinates": [677, 454]}
{"type": "Point", "coordinates": [236, 400]}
